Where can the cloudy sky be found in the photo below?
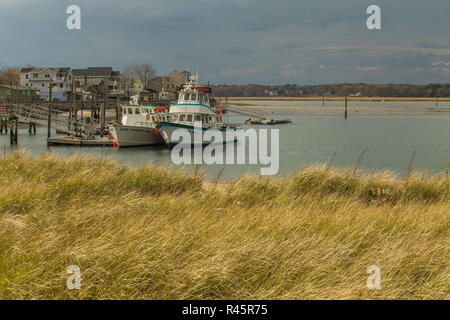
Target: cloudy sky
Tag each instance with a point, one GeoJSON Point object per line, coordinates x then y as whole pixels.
{"type": "Point", "coordinates": [237, 41]}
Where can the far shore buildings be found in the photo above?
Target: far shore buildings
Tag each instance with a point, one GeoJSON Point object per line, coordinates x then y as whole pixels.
{"type": "Point", "coordinates": [101, 77]}
{"type": "Point", "coordinates": [93, 81]}
{"type": "Point", "coordinates": [39, 79]}
{"type": "Point", "coordinates": [16, 94]}
{"type": "Point", "coordinates": [170, 83]}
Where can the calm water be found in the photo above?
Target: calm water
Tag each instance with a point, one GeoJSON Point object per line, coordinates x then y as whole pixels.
{"type": "Point", "coordinates": [408, 104]}
{"type": "Point", "coordinates": [390, 141]}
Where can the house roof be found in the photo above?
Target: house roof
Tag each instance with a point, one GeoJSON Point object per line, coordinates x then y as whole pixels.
{"type": "Point", "coordinates": [39, 70]}
{"type": "Point", "coordinates": [95, 72]}
{"type": "Point", "coordinates": [150, 90]}
{"type": "Point", "coordinates": [155, 87]}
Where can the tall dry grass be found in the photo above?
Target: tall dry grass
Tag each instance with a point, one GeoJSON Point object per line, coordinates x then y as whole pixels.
{"type": "Point", "coordinates": [152, 233]}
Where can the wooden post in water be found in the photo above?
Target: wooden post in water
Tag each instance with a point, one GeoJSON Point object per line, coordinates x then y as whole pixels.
{"type": "Point", "coordinates": [346, 102]}
{"type": "Point", "coordinates": [49, 124]}
{"type": "Point", "coordinates": [13, 130]}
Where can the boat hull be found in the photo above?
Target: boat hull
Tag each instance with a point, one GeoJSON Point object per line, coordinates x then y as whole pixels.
{"type": "Point", "coordinates": [133, 136]}
{"type": "Point", "coordinates": [167, 129]}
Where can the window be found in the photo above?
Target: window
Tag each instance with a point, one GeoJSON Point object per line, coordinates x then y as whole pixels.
{"type": "Point", "coordinates": [175, 118]}
{"type": "Point", "coordinates": [193, 97]}
{"type": "Point", "coordinates": [47, 76]}
{"type": "Point", "coordinates": [35, 75]}
{"type": "Point", "coordinates": [186, 97]}
{"type": "Point", "coordinates": [197, 117]}
{"type": "Point", "coordinates": [26, 76]}
{"type": "Point", "coordinates": [189, 118]}
{"type": "Point", "coordinates": [136, 111]}
{"type": "Point", "coordinates": [130, 111]}
{"type": "Point", "coordinates": [60, 85]}
{"type": "Point", "coordinates": [42, 84]}
{"type": "Point", "coordinates": [182, 117]}
{"type": "Point", "coordinates": [124, 110]}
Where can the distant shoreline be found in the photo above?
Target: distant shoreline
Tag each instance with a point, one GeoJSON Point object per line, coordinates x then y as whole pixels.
{"type": "Point", "coordinates": [316, 98]}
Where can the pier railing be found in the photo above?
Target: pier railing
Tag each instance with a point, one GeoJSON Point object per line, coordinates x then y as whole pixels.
{"type": "Point", "coordinates": [38, 114]}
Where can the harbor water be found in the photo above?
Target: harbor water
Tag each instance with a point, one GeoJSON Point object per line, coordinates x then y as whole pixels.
{"type": "Point", "coordinates": [311, 138]}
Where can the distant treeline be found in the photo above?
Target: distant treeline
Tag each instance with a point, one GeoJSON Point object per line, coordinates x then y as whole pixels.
{"type": "Point", "coordinates": [343, 89]}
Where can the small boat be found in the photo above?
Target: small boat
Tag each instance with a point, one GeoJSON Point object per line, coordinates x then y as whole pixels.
{"type": "Point", "coordinates": [137, 127]}
{"type": "Point", "coordinates": [267, 121]}
{"type": "Point", "coordinates": [192, 112]}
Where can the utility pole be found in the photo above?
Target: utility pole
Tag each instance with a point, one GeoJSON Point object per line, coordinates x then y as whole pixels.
{"type": "Point", "coordinates": [70, 106]}
{"type": "Point", "coordinates": [49, 124]}
{"type": "Point", "coordinates": [117, 107]}
{"type": "Point", "coordinates": [17, 93]}
{"type": "Point", "coordinates": [102, 112]}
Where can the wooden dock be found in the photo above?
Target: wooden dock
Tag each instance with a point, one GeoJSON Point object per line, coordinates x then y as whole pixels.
{"type": "Point", "coordinates": [75, 141]}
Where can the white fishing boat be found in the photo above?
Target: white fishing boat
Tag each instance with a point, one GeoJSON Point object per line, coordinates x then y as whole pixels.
{"type": "Point", "coordinates": [194, 112]}
{"type": "Point", "coordinates": [137, 127]}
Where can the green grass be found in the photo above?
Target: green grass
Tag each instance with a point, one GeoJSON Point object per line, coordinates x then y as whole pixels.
{"type": "Point", "coordinates": [155, 233]}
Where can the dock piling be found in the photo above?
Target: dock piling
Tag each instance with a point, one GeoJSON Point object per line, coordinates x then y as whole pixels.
{"type": "Point", "coordinates": [346, 103]}
{"type": "Point", "coordinates": [13, 124]}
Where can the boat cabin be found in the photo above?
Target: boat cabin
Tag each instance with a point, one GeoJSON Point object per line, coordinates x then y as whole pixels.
{"type": "Point", "coordinates": [194, 98]}
{"type": "Point", "coordinates": [142, 116]}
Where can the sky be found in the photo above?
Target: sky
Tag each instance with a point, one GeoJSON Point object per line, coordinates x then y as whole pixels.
{"type": "Point", "coordinates": [237, 41]}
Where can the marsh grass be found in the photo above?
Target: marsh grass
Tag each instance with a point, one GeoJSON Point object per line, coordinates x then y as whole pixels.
{"type": "Point", "coordinates": [155, 233]}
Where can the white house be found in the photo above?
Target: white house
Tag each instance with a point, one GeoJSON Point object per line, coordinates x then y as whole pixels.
{"type": "Point", "coordinates": [39, 79]}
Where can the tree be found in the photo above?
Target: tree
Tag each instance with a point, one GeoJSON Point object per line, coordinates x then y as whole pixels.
{"type": "Point", "coordinates": [9, 75]}
{"type": "Point", "coordinates": [143, 72]}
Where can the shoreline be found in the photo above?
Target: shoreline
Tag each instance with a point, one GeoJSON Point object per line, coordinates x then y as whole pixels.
{"type": "Point", "coordinates": [318, 98]}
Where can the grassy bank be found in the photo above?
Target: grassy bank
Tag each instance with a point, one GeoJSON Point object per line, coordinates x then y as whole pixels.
{"type": "Point", "coordinates": [158, 234]}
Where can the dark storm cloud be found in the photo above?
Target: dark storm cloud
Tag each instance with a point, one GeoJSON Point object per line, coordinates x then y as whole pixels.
{"type": "Point", "coordinates": [242, 41]}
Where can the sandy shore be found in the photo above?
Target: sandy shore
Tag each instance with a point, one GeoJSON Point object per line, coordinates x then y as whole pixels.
{"type": "Point", "coordinates": [360, 110]}
{"type": "Point", "coordinates": [337, 98]}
